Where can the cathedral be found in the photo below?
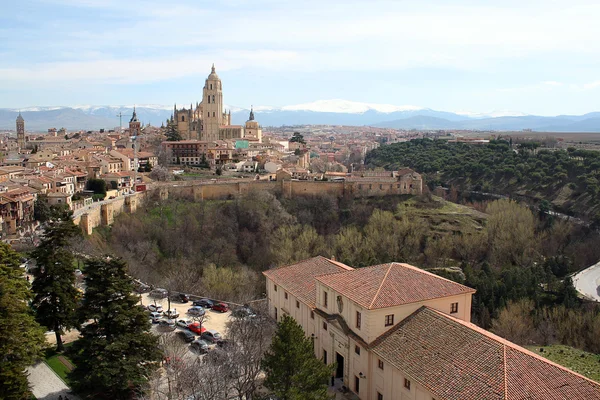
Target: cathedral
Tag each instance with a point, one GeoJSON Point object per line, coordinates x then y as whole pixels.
{"type": "Point", "coordinates": [207, 121]}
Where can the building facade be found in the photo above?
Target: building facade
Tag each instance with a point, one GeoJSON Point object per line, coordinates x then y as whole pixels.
{"type": "Point", "coordinates": [208, 120]}
{"type": "Point", "coordinates": [396, 332]}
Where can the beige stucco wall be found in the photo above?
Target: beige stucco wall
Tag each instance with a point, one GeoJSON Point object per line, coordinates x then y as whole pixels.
{"type": "Point", "coordinates": [389, 381]}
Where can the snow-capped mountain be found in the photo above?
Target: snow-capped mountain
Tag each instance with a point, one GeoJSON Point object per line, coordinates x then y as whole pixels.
{"type": "Point", "coordinates": [332, 112]}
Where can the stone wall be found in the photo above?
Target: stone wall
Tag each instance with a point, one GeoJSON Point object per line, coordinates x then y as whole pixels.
{"type": "Point", "coordinates": [104, 213]}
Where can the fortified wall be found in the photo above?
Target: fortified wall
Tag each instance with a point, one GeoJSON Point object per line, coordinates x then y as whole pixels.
{"type": "Point", "coordinates": [103, 213]}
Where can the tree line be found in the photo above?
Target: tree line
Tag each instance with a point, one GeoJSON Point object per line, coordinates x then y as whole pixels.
{"type": "Point", "coordinates": [500, 167]}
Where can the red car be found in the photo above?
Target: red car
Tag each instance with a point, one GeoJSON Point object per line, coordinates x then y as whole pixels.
{"type": "Point", "coordinates": [222, 307]}
{"type": "Point", "coordinates": [196, 328]}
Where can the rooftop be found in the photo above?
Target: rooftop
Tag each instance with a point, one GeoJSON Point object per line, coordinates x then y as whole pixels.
{"type": "Point", "coordinates": [390, 285]}
{"type": "Point", "coordinates": [299, 278]}
{"type": "Point", "coordinates": [457, 360]}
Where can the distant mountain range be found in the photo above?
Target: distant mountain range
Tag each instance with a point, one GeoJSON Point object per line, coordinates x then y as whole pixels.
{"type": "Point", "coordinates": [326, 112]}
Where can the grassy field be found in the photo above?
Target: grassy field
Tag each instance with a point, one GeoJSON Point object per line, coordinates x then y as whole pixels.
{"type": "Point", "coordinates": [587, 364]}
{"type": "Point", "coordinates": [56, 363]}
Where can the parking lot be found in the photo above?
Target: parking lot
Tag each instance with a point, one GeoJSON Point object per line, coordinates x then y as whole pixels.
{"type": "Point", "coordinates": [212, 319]}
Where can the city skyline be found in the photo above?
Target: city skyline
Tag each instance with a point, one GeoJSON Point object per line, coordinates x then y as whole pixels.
{"type": "Point", "coordinates": [539, 58]}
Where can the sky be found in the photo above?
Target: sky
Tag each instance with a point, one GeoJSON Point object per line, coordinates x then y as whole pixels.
{"type": "Point", "coordinates": [533, 56]}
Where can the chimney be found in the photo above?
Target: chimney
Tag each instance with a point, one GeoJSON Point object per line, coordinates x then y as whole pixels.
{"type": "Point", "coordinates": [333, 258]}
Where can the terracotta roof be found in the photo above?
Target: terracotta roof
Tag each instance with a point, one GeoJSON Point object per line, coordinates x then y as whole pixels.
{"type": "Point", "coordinates": [456, 360]}
{"type": "Point", "coordinates": [299, 278]}
{"type": "Point", "coordinates": [393, 284]}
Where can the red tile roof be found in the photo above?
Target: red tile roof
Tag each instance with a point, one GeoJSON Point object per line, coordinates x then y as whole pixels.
{"type": "Point", "coordinates": [390, 285]}
{"type": "Point", "coordinates": [456, 360]}
{"type": "Point", "coordinates": [299, 278]}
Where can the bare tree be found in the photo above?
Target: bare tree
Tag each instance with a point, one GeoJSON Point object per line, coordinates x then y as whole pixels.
{"type": "Point", "coordinates": [250, 338]}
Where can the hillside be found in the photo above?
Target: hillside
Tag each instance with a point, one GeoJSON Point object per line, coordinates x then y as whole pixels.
{"type": "Point", "coordinates": [567, 179]}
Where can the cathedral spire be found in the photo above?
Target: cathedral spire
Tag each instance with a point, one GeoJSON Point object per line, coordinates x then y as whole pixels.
{"type": "Point", "coordinates": [213, 68]}
{"type": "Point", "coordinates": [251, 114]}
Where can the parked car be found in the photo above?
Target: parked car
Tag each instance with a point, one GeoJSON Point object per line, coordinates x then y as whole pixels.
{"type": "Point", "coordinates": [141, 288]}
{"type": "Point", "coordinates": [212, 336]}
{"type": "Point", "coordinates": [196, 328]}
{"type": "Point", "coordinates": [171, 314]}
{"type": "Point", "coordinates": [155, 308]}
{"type": "Point", "coordinates": [167, 323]}
{"type": "Point", "coordinates": [183, 323]}
{"type": "Point", "coordinates": [196, 311]}
{"type": "Point", "coordinates": [186, 336]}
{"type": "Point", "coordinates": [206, 303]}
{"type": "Point", "coordinates": [243, 312]}
{"type": "Point", "coordinates": [221, 307]}
{"type": "Point", "coordinates": [155, 317]}
{"type": "Point", "coordinates": [199, 345]}
{"type": "Point", "coordinates": [159, 293]}
{"type": "Point", "coordinates": [184, 298]}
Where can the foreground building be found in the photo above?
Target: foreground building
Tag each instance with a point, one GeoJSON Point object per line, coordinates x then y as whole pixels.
{"type": "Point", "coordinates": [397, 332]}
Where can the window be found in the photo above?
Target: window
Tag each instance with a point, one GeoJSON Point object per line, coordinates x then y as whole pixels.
{"type": "Point", "coordinates": [324, 325]}
{"type": "Point", "coordinates": [208, 99]}
{"type": "Point", "coordinates": [297, 304]}
{"type": "Point", "coordinates": [357, 349]}
{"type": "Point", "coordinates": [380, 187]}
{"type": "Point", "coordinates": [275, 287]}
{"type": "Point", "coordinates": [325, 299]}
{"type": "Point", "coordinates": [325, 356]}
{"type": "Point", "coordinates": [389, 320]}
{"type": "Point", "coordinates": [379, 396]}
{"type": "Point", "coordinates": [182, 118]}
{"type": "Point", "coordinates": [453, 308]}
{"type": "Point", "coordinates": [312, 315]}
{"type": "Point", "coordinates": [214, 114]}
{"type": "Point", "coordinates": [211, 86]}
{"type": "Point", "coordinates": [407, 383]}
{"type": "Point", "coordinates": [285, 295]}
{"type": "Point", "coordinates": [275, 313]}
{"type": "Point", "coordinates": [213, 98]}
{"type": "Point", "coordinates": [380, 364]}
{"type": "Point", "coordinates": [356, 384]}
{"type": "Point", "coordinates": [358, 318]}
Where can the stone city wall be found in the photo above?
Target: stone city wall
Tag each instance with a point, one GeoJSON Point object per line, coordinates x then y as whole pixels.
{"type": "Point", "coordinates": [103, 213]}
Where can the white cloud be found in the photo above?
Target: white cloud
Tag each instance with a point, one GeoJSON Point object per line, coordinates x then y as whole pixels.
{"type": "Point", "coordinates": [591, 85]}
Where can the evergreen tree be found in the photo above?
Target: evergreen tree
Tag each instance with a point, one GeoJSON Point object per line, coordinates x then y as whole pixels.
{"type": "Point", "coordinates": [116, 353]}
{"type": "Point", "coordinates": [293, 372]}
{"type": "Point", "coordinates": [56, 296]}
{"type": "Point", "coordinates": [21, 338]}
{"type": "Point", "coordinates": [297, 137]}
{"type": "Point", "coordinates": [172, 133]}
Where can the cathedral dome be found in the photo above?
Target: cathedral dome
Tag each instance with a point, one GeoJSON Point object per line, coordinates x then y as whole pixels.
{"type": "Point", "coordinates": [213, 75]}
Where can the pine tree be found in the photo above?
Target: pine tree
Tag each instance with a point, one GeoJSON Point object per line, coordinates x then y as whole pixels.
{"type": "Point", "coordinates": [172, 133]}
{"type": "Point", "coordinates": [293, 372]}
{"type": "Point", "coordinates": [116, 353]}
{"type": "Point", "coordinates": [56, 296]}
{"type": "Point", "coordinates": [21, 338]}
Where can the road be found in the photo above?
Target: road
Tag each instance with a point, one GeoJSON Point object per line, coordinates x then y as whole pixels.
{"type": "Point", "coordinates": [587, 282]}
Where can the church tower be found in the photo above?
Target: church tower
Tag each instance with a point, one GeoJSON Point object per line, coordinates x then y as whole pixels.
{"type": "Point", "coordinates": [253, 131]}
{"type": "Point", "coordinates": [212, 106]}
{"type": "Point", "coordinates": [134, 124]}
{"type": "Point", "coordinates": [20, 132]}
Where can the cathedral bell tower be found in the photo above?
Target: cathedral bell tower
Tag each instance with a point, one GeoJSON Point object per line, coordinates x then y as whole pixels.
{"type": "Point", "coordinates": [212, 106]}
